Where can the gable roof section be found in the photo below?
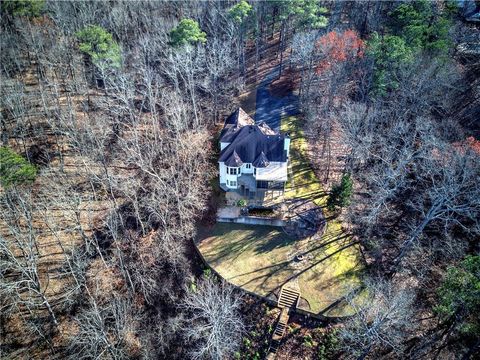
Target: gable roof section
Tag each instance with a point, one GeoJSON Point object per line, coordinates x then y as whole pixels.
{"type": "Point", "coordinates": [238, 119]}
{"type": "Point", "coordinates": [233, 160]}
{"type": "Point", "coordinates": [255, 143]}
{"type": "Point", "coordinates": [261, 161]}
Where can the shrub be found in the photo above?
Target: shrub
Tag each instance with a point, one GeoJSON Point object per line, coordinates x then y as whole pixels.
{"type": "Point", "coordinates": [459, 295]}
{"type": "Point", "coordinates": [241, 203]}
{"type": "Point", "coordinates": [329, 346]}
{"type": "Point", "coordinates": [308, 340]}
{"type": "Point", "coordinates": [207, 273]}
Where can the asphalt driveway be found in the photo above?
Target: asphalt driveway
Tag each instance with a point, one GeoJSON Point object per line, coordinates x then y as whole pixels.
{"type": "Point", "coordinates": [269, 108]}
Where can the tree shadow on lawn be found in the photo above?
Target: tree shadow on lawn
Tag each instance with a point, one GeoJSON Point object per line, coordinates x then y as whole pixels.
{"type": "Point", "coordinates": [341, 302]}
{"type": "Point", "coordinates": [296, 272]}
{"type": "Point", "coordinates": [280, 240]}
{"type": "Point", "coordinates": [316, 263]}
{"type": "Point", "coordinates": [229, 250]}
{"type": "Point", "coordinates": [230, 247]}
{"type": "Point", "coordinates": [353, 273]}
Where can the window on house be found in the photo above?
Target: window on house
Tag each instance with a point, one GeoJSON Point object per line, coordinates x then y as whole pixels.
{"type": "Point", "coordinates": [262, 184]}
{"type": "Point", "coordinates": [232, 171]}
{"type": "Point", "coordinates": [254, 171]}
{"type": "Point", "coordinates": [248, 166]}
{"type": "Point", "coordinates": [233, 183]}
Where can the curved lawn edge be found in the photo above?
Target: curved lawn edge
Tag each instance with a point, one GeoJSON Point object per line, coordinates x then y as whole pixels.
{"type": "Point", "coordinates": [252, 258]}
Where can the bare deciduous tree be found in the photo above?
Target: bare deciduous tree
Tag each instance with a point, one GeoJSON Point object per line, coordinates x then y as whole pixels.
{"type": "Point", "coordinates": [383, 315]}
{"type": "Point", "coordinates": [215, 325]}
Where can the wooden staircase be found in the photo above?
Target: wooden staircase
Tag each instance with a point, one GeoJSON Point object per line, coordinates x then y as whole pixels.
{"type": "Point", "coordinates": [287, 299]}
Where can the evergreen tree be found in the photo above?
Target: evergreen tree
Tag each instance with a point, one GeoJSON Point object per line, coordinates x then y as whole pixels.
{"type": "Point", "coordinates": [306, 14]}
{"type": "Point", "coordinates": [341, 193]}
{"type": "Point", "coordinates": [420, 27]}
{"type": "Point", "coordinates": [240, 11]}
{"type": "Point", "coordinates": [187, 32]}
{"type": "Point", "coordinates": [28, 8]}
{"type": "Point", "coordinates": [96, 42]}
{"type": "Point", "coordinates": [14, 169]}
{"type": "Point", "coordinates": [390, 53]}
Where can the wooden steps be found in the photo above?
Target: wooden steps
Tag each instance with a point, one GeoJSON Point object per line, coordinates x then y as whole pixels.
{"type": "Point", "coordinates": [288, 298]}
{"type": "Point", "coordinates": [281, 325]}
{"type": "Point", "coordinates": [278, 333]}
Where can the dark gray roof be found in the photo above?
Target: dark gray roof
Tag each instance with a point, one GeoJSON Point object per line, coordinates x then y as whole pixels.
{"type": "Point", "coordinates": [233, 160]}
{"type": "Point", "coordinates": [253, 143]}
{"type": "Point", "coordinates": [261, 161]}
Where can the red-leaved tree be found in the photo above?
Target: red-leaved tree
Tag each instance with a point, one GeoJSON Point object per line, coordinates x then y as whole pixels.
{"type": "Point", "coordinates": [337, 47]}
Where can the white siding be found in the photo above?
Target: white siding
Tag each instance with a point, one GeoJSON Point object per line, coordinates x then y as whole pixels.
{"type": "Point", "coordinates": [286, 145]}
{"type": "Point", "coordinates": [245, 170]}
{"type": "Point", "coordinates": [223, 172]}
{"type": "Point", "coordinates": [229, 178]}
{"type": "Point", "coordinates": [223, 145]}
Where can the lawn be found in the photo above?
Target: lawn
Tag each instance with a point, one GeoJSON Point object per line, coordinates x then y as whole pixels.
{"type": "Point", "coordinates": [302, 182]}
{"type": "Point", "coordinates": [261, 259]}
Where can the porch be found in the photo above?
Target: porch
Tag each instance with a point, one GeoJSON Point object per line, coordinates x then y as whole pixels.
{"type": "Point", "coordinates": [261, 198]}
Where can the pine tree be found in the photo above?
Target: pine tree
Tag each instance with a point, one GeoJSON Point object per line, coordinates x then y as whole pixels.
{"type": "Point", "coordinates": [341, 193]}
{"type": "Point", "coordinates": [187, 32]}
{"type": "Point", "coordinates": [14, 169]}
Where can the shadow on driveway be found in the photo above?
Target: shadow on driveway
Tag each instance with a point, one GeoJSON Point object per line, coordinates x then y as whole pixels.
{"type": "Point", "coordinates": [269, 108]}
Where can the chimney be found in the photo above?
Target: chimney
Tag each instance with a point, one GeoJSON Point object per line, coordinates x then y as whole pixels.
{"type": "Point", "coordinates": [286, 144]}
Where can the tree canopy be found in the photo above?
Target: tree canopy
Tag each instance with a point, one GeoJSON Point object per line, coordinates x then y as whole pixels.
{"type": "Point", "coordinates": [14, 169]}
{"type": "Point", "coordinates": [239, 12]}
{"type": "Point", "coordinates": [29, 8]}
{"type": "Point", "coordinates": [341, 193]}
{"type": "Point", "coordinates": [459, 295]}
{"type": "Point", "coordinates": [308, 14]}
{"type": "Point", "coordinates": [187, 32]}
{"type": "Point", "coordinates": [421, 29]}
{"type": "Point", "coordinates": [390, 53]}
{"type": "Point", "coordinates": [96, 42]}
{"type": "Point", "coordinates": [413, 28]}
{"type": "Point", "coordinates": [338, 47]}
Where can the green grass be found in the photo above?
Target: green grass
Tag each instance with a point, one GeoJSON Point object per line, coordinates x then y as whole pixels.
{"type": "Point", "coordinates": [302, 182]}
{"type": "Point", "coordinates": [261, 258]}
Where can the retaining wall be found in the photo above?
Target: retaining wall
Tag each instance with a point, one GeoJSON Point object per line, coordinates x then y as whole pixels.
{"type": "Point", "coordinates": [252, 220]}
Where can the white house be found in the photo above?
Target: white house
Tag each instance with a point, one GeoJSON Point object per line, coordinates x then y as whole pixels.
{"type": "Point", "coordinates": [253, 159]}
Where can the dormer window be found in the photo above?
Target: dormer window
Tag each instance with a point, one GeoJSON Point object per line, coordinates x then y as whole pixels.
{"type": "Point", "coordinates": [248, 166]}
